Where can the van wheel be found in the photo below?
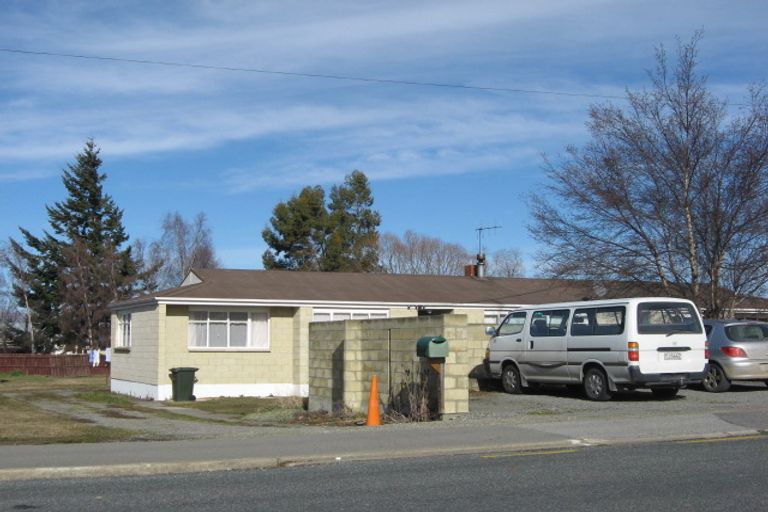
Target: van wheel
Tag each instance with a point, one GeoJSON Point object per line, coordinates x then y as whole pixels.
{"type": "Point", "coordinates": [510, 379]}
{"type": "Point", "coordinates": [596, 385]}
{"type": "Point", "coordinates": [665, 393]}
{"type": "Point", "coordinates": [715, 380]}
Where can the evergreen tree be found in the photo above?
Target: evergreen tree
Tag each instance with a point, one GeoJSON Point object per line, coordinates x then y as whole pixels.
{"type": "Point", "coordinates": [36, 287]}
{"type": "Point", "coordinates": [353, 240]}
{"type": "Point", "coordinates": [69, 276]}
{"type": "Point", "coordinates": [305, 234]}
{"type": "Point", "coordinates": [298, 231]}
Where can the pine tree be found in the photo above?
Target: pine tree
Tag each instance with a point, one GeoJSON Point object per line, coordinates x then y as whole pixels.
{"type": "Point", "coordinates": [298, 231]}
{"type": "Point", "coordinates": [353, 241]}
{"type": "Point", "coordinates": [305, 234]}
{"type": "Point", "coordinates": [73, 273]}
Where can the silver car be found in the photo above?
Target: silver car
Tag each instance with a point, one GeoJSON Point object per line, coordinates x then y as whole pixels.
{"type": "Point", "coordinates": [738, 350]}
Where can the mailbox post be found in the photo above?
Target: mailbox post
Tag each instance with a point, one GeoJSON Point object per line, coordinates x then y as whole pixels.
{"type": "Point", "coordinates": [432, 351]}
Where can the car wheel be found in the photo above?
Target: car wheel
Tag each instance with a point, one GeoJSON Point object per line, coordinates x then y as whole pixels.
{"type": "Point", "coordinates": [596, 385]}
{"type": "Point", "coordinates": [715, 380]}
{"type": "Point", "coordinates": [665, 393]}
{"type": "Point", "coordinates": [510, 379]}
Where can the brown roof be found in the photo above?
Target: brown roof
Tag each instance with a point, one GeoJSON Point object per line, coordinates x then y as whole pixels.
{"type": "Point", "coordinates": [380, 289]}
{"type": "Point", "coordinates": [314, 287]}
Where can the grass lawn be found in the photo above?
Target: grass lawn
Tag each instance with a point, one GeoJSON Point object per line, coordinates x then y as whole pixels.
{"type": "Point", "coordinates": [244, 406]}
{"type": "Point", "coordinates": [23, 423]}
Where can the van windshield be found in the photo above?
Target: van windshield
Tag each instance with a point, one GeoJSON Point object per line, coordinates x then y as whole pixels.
{"type": "Point", "coordinates": [667, 318]}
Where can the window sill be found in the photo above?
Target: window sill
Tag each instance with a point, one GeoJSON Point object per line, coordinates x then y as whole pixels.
{"type": "Point", "coordinates": [226, 349]}
{"type": "Point", "coordinates": [121, 350]}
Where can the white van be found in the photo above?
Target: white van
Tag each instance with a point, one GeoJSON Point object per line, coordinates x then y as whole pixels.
{"type": "Point", "coordinates": [602, 345]}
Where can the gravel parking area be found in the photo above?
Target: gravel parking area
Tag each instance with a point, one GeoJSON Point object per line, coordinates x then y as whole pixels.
{"type": "Point", "coordinates": [558, 403]}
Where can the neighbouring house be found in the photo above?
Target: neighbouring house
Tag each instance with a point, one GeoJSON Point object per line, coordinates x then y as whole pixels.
{"type": "Point", "coordinates": [247, 331]}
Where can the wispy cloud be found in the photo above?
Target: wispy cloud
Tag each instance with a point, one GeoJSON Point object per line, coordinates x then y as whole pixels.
{"type": "Point", "coordinates": [393, 130]}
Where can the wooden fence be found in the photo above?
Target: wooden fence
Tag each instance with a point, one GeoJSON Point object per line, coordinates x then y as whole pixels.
{"type": "Point", "coordinates": [51, 365]}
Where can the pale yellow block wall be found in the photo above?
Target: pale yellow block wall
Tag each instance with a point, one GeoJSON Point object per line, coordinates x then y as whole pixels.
{"type": "Point", "coordinates": [301, 321]}
{"type": "Point", "coordinates": [344, 355]}
{"type": "Point", "coordinates": [402, 313]}
{"type": "Point", "coordinates": [275, 366]}
{"type": "Point", "coordinates": [474, 316]}
{"type": "Point", "coordinates": [139, 364]}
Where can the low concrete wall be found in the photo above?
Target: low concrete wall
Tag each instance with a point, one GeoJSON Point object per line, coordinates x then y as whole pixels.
{"type": "Point", "coordinates": [344, 356]}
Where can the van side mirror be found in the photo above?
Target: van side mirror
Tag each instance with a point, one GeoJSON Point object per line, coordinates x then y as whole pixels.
{"type": "Point", "coordinates": [490, 330]}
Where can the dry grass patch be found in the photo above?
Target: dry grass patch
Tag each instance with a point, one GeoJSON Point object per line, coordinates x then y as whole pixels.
{"type": "Point", "coordinates": [245, 406]}
{"type": "Point", "coordinates": [326, 419]}
{"type": "Point", "coordinates": [13, 383]}
{"type": "Point", "coordinates": [22, 423]}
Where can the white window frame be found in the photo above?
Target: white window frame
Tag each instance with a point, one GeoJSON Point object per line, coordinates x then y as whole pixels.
{"type": "Point", "coordinates": [354, 314]}
{"type": "Point", "coordinates": [228, 348]}
{"type": "Point", "coordinates": [124, 331]}
{"type": "Point", "coordinates": [498, 316]}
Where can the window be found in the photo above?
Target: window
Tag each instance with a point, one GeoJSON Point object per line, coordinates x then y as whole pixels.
{"type": "Point", "coordinates": [124, 331]}
{"type": "Point", "coordinates": [667, 318]}
{"type": "Point", "coordinates": [747, 332]}
{"type": "Point", "coordinates": [493, 317]}
{"type": "Point", "coordinates": [549, 323]}
{"type": "Point", "coordinates": [598, 321]}
{"type": "Point", "coordinates": [332, 315]}
{"type": "Point", "coordinates": [229, 330]}
{"type": "Point", "coordinates": [513, 324]}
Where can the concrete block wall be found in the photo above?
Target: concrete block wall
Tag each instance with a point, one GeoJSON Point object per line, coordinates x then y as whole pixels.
{"type": "Point", "coordinates": [476, 344]}
{"type": "Point", "coordinates": [343, 357]}
{"type": "Point", "coordinates": [326, 366]}
{"type": "Point", "coordinates": [139, 362]}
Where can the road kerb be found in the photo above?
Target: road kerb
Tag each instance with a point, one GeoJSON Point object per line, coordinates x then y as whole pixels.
{"type": "Point", "coordinates": [160, 468]}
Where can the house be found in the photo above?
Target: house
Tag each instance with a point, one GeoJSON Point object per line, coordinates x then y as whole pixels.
{"type": "Point", "coordinates": [247, 331]}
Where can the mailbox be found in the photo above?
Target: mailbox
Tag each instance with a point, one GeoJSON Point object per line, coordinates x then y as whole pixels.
{"type": "Point", "coordinates": [432, 347]}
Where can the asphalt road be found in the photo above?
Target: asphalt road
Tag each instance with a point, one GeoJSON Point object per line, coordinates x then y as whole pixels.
{"type": "Point", "coordinates": [724, 474]}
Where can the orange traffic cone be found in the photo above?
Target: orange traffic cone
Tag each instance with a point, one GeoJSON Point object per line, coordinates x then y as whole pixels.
{"type": "Point", "coordinates": [373, 404]}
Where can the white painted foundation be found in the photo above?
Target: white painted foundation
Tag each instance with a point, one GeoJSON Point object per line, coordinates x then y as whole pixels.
{"type": "Point", "coordinates": [165, 391]}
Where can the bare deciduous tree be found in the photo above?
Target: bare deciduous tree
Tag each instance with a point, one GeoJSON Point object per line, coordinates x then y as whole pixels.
{"type": "Point", "coordinates": [183, 246]}
{"type": "Point", "coordinates": [505, 263]}
{"type": "Point", "coordinates": [15, 320]}
{"type": "Point", "coordinates": [671, 191]}
{"type": "Point", "coordinates": [421, 254]}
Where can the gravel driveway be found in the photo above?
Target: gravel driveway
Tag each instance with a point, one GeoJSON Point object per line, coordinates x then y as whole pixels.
{"type": "Point", "coordinates": [557, 404]}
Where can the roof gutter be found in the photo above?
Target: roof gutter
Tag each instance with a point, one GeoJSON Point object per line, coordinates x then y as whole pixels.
{"type": "Point", "coordinates": [299, 303]}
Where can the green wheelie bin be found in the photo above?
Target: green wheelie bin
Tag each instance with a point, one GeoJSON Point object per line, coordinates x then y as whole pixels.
{"type": "Point", "coordinates": [183, 383]}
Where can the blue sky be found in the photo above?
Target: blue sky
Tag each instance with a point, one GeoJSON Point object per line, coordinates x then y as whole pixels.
{"type": "Point", "coordinates": [441, 161]}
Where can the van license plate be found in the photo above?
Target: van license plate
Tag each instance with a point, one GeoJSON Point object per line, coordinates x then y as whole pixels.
{"type": "Point", "coordinates": [673, 356]}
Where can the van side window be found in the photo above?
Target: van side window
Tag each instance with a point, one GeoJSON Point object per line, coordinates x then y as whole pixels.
{"type": "Point", "coordinates": [549, 323]}
{"type": "Point", "coordinates": [598, 321]}
{"type": "Point", "coordinates": [513, 324]}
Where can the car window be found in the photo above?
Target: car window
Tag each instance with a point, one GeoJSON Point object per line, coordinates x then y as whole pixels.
{"type": "Point", "coordinates": [598, 321]}
{"type": "Point", "coordinates": [513, 324]}
{"type": "Point", "coordinates": [667, 318]}
{"type": "Point", "coordinates": [708, 329]}
{"type": "Point", "coordinates": [747, 332]}
{"type": "Point", "coordinates": [549, 323]}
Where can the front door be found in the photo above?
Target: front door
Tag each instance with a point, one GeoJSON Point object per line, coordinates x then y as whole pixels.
{"type": "Point", "coordinates": [508, 342]}
{"type": "Point", "coordinates": [545, 346]}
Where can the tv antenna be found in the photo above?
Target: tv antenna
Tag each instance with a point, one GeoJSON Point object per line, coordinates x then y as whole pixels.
{"type": "Point", "coordinates": [480, 237]}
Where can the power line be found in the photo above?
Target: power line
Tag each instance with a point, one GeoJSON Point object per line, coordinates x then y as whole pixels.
{"type": "Point", "coordinates": [312, 75]}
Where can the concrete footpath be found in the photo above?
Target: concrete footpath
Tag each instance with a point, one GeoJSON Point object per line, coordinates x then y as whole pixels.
{"type": "Point", "coordinates": [277, 447]}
